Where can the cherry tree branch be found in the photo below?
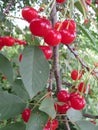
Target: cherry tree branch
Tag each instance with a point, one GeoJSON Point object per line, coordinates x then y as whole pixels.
{"type": "Point", "coordinates": [9, 5]}
{"type": "Point", "coordinates": [67, 83]}
{"type": "Point", "coordinates": [77, 57]}
{"type": "Point", "coordinates": [53, 18]}
{"type": "Point", "coordinates": [67, 124]}
{"type": "Point", "coordinates": [51, 79]}
{"type": "Point", "coordinates": [90, 116]}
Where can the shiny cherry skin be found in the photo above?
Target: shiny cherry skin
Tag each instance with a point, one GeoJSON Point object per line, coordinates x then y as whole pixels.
{"type": "Point", "coordinates": [69, 25]}
{"type": "Point", "coordinates": [53, 37]}
{"type": "Point", "coordinates": [75, 75]}
{"type": "Point", "coordinates": [77, 102]}
{"type": "Point", "coordinates": [63, 96]}
{"type": "Point", "coordinates": [1, 43]}
{"type": "Point", "coordinates": [60, 1]}
{"type": "Point", "coordinates": [51, 125]}
{"type": "Point", "coordinates": [20, 57]}
{"type": "Point", "coordinates": [29, 13]}
{"type": "Point", "coordinates": [40, 27]}
{"type": "Point", "coordinates": [58, 25]}
{"type": "Point", "coordinates": [62, 108]}
{"type": "Point", "coordinates": [47, 50]}
{"type": "Point", "coordinates": [82, 87]}
{"type": "Point", "coordinates": [26, 114]}
{"type": "Point", "coordinates": [8, 41]}
{"type": "Point", "coordinates": [88, 2]}
{"type": "Point", "coordinates": [68, 37]}
{"type": "Point", "coordinates": [20, 42]}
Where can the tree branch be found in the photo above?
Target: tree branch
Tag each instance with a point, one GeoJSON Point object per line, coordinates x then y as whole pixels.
{"type": "Point", "coordinates": [67, 83]}
{"type": "Point", "coordinates": [53, 17]}
{"type": "Point", "coordinates": [77, 57]}
{"type": "Point", "coordinates": [51, 79]}
{"type": "Point", "coordinates": [67, 124]}
{"type": "Point", "coordinates": [90, 116]}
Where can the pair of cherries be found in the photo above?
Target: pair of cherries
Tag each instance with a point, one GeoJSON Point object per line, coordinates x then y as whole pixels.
{"type": "Point", "coordinates": [69, 100]}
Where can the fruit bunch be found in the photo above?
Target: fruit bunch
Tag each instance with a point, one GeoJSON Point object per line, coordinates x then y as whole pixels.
{"type": "Point", "coordinates": [70, 100]}
{"type": "Point", "coordinates": [10, 41]}
{"type": "Point", "coordinates": [51, 125]}
{"type": "Point", "coordinates": [63, 32]}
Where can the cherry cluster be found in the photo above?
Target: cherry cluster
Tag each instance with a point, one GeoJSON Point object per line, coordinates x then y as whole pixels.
{"type": "Point", "coordinates": [51, 124]}
{"type": "Point", "coordinates": [63, 32]}
{"type": "Point", "coordinates": [10, 41]}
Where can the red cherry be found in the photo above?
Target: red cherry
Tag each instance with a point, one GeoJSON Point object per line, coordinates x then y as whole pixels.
{"type": "Point", "coordinates": [29, 13]}
{"type": "Point", "coordinates": [86, 21]}
{"type": "Point", "coordinates": [92, 121]}
{"type": "Point", "coordinates": [20, 57]}
{"type": "Point", "coordinates": [69, 25]}
{"type": "Point", "coordinates": [51, 125]}
{"type": "Point", "coordinates": [63, 96]}
{"type": "Point", "coordinates": [47, 51]}
{"type": "Point", "coordinates": [40, 27]}
{"type": "Point", "coordinates": [62, 108]}
{"type": "Point", "coordinates": [96, 1]}
{"type": "Point", "coordinates": [67, 36]}
{"type": "Point", "coordinates": [26, 114]}
{"type": "Point", "coordinates": [20, 42]}
{"type": "Point", "coordinates": [1, 43]}
{"type": "Point", "coordinates": [41, 9]}
{"type": "Point", "coordinates": [60, 1]}
{"type": "Point", "coordinates": [88, 2]}
{"type": "Point", "coordinates": [8, 41]}
{"type": "Point", "coordinates": [77, 102]}
{"type": "Point", "coordinates": [82, 87]}
{"type": "Point", "coordinates": [75, 75]}
{"type": "Point", "coordinates": [53, 37]}
{"type": "Point", "coordinates": [57, 25]}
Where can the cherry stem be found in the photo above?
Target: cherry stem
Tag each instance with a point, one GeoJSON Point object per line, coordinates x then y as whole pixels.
{"type": "Point", "coordinates": [56, 70]}
{"type": "Point", "coordinates": [84, 7]}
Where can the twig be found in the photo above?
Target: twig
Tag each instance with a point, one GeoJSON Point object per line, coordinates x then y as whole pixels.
{"type": "Point", "coordinates": [67, 124]}
{"type": "Point", "coordinates": [79, 59]}
{"type": "Point", "coordinates": [9, 5]}
{"type": "Point", "coordinates": [67, 83]}
{"type": "Point", "coordinates": [53, 17]}
{"type": "Point", "coordinates": [90, 116]}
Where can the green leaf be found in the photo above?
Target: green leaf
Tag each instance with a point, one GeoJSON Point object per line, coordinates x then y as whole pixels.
{"type": "Point", "coordinates": [10, 105]}
{"type": "Point", "coordinates": [34, 70]}
{"type": "Point", "coordinates": [6, 68]}
{"type": "Point", "coordinates": [78, 6]}
{"type": "Point", "coordinates": [2, 16]}
{"type": "Point", "coordinates": [96, 128]}
{"type": "Point", "coordinates": [87, 33]}
{"type": "Point", "coordinates": [47, 106]}
{"type": "Point", "coordinates": [37, 120]}
{"type": "Point", "coordinates": [20, 90]}
{"type": "Point", "coordinates": [15, 126]}
{"type": "Point", "coordinates": [74, 115]}
{"type": "Point", "coordinates": [85, 125]}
